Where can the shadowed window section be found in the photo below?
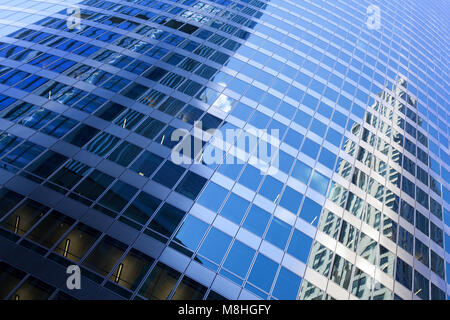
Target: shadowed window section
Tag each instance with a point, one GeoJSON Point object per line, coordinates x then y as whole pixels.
{"type": "Point", "coordinates": [160, 283]}
{"type": "Point", "coordinates": [189, 289]}
{"type": "Point", "coordinates": [142, 207]}
{"type": "Point", "coordinates": [105, 255]}
{"type": "Point", "coordinates": [191, 185]}
{"type": "Point", "coordinates": [132, 269]}
{"type": "Point", "coordinates": [50, 230]}
{"type": "Point", "coordinates": [24, 217]}
{"type": "Point", "coordinates": [79, 240]}
{"type": "Point", "coordinates": [166, 220]}
{"type": "Point", "coordinates": [9, 278]}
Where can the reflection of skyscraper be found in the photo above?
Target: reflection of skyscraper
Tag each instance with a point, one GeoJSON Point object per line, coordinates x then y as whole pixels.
{"type": "Point", "coordinates": [384, 133]}
{"type": "Point", "coordinates": [87, 177]}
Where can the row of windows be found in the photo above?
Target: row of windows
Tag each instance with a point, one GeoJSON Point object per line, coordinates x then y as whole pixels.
{"type": "Point", "coordinates": [377, 189]}
{"type": "Point", "coordinates": [186, 14]}
{"type": "Point", "coordinates": [120, 193]}
{"type": "Point", "coordinates": [35, 117]}
{"type": "Point", "coordinates": [150, 127]}
{"type": "Point", "coordinates": [18, 285]}
{"type": "Point", "coordinates": [143, 206]}
{"type": "Point", "coordinates": [44, 230]}
{"type": "Point", "coordinates": [64, 175]}
{"type": "Point", "coordinates": [152, 33]}
{"type": "Point", "coordinates": [50, 89]}
{"type": "Point", "coordinates": [351, 237]}
{"type": "Point", "coordinates": [238, 260]}
{"type": "Point", "coordinates": [48, 39]}
{"type": "Point", "coordinates": [78, 239]}
{"type": "Point", "coordinates": [399, 138]}
{"type": "Point", "coordinates": [355, 205]}
{"type": "Point", "coordinates": [360, 284]}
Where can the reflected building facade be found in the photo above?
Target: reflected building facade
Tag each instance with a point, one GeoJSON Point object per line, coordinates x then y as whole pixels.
{"type": "Point", "coordinates": [91, 93]}
{"type": "Point", "coordinates": [382, 206]}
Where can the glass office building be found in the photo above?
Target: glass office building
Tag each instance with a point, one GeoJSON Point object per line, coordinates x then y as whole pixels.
{"type": "Point", "coordinates": [92, 91]}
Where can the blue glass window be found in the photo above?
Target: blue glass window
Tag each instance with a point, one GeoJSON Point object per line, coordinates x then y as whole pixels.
{"type": "Point", "coordinates": [300, 246]}
{"type": "Point", "coordinates": [318, 128]}
{"type": "Point", "coordinates": [166, 220]}
{"type": "Point", "coordinates": [293, 138]}
{"type": "Point", "coordinates": [287, 285]}
{"type": "Point", "coordinates": [146, 164]}
{"type": "Point", "coordinates": [271, 188]}
{"type": "Point", "coordinates": [118, 196]}
{"type": "Point", "coordinates": [48, 163]}
{"type": "Point", "coordinates": [242, 111]}
{"type": "Point", "coordinates": [319, 183]}
{"type": "Point", "coordinates": [303, 119]}
{"type": "Point", "coordinates": [301, 171]}
{"type": "Point", "coordinates": [191, 232]}
{"type": "Point", "coordinates": [278, 233]}
{"type": "Point", "coordinates": [276, 125]}
{"type": "Point", "coordinates": [213, 196]}
{"type": "Point", "coordinates": [215, 245]}
{"type": "Point", "coordinates": [259, 120]}
{"type": "Point", "coordinates": [286, 110]}
{"type": "Point", "coordinates": [94, 184]}
{"type": "Point", "coordinates": [407, 212]}
{"type": "Point", "coordinates": [256, 220]}
{"type": "Point", "coordinates": [310, 148]}
{"type": "Point", "coordinates": [310, 101]}
{"type": "Point", "coordinates": [285, 162]}
{"type": "Point", "coordinates": [239, 259]}
{"type": "Point", "coordinates": [421, 285]}
{"type": "Point", "coordinates": [310, 211]}
{"type": "Point", "coordinates": [231, 170]}
{"type": "Point", "coordinates": [191, 185]}
{"type": "Point", "coordinates": [251, 177]}
{"type": "Point", "coordinates": [291, 199]}
{"type": "Point", "coordinates": [339, 118]}
{"type": "Point", "coordinates": [81, 135]}
{"type": "Point", "coordinates": [168, 174]}
{"type": "Point", "coordinates": [23, 154]}
{"type": "Point", "coordinates": [263, 272]}
{"type": "Point", "coordinates": [334, 137]}
{"type": "Point", "coordinates": [125, 153]}
{"type": "Point", "coordinates": [327, 158]}
{"type": "Point", "coordinates": [235, 208]}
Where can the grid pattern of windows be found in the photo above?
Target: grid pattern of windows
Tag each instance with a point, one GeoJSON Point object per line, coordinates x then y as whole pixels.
{"type": "Point", "coordinates": [358, 208]}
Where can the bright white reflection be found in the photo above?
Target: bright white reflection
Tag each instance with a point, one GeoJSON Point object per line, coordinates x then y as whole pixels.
{"type": "Point", "coordinates": [16, 14]}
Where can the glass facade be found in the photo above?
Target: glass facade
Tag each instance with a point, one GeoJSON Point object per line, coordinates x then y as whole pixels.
{"type": "Point", "coordinates": [92, 93]}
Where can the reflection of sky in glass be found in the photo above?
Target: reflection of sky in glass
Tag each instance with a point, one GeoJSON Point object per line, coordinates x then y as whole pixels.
{"type": "Point", "coordinates": [224, 103]}
{"type": "Point", "coordinates": [15, 14]}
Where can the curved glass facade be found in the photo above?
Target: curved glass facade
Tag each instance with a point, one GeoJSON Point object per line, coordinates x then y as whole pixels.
{"type": "Point", "coordinates": [351, 97]}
